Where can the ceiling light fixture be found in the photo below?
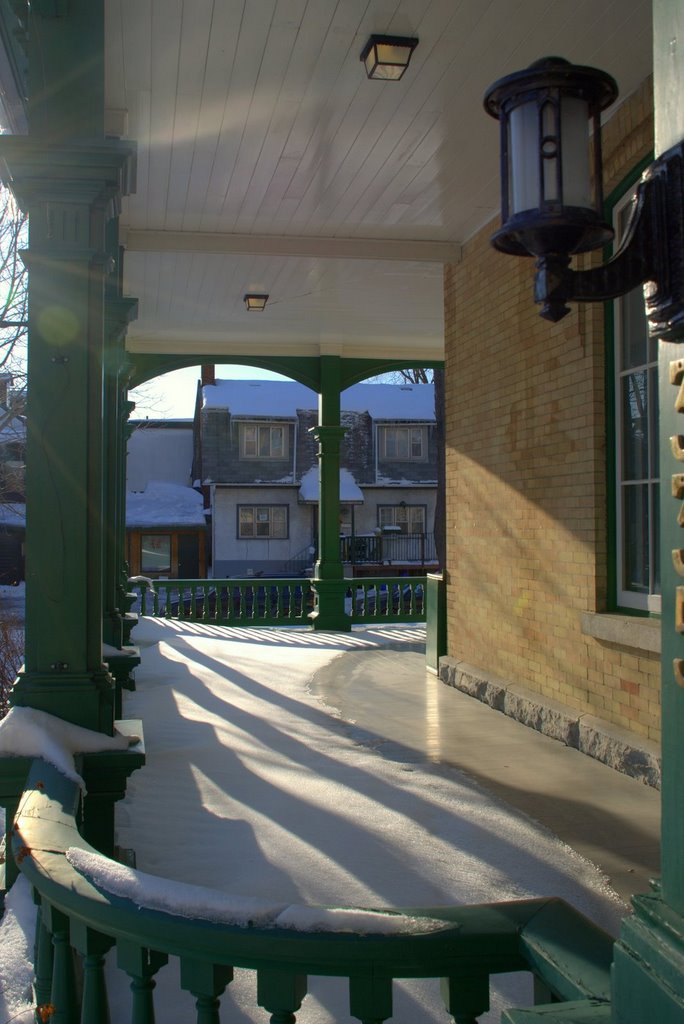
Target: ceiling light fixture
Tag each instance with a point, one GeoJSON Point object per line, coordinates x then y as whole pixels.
{"type": "Point", "coordinates": [255, 303]}
{"type": "Point", "coordinates": [387, 57]}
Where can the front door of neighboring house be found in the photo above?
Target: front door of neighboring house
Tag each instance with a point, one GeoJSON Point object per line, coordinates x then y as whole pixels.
{"type": "Point", "coordinates": [188, 556]}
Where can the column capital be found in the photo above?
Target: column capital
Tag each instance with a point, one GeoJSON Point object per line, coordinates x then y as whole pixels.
{"type": "Point", "coordinates": [119, 313]}
{"type": "Point", "coordinates": [329, 437]}
{"type": "Point", "coordinates": [93, 170]}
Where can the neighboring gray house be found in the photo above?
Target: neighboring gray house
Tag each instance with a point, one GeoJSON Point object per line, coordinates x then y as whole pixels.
{"type": "Point", "coordinates": [256, 460]}
{"type": "Point", "coordinates": [165, 520]}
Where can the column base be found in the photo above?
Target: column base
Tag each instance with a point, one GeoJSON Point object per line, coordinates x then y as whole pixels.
{"type": "Point", "coordinates": [329, 610]}
{"type": "Point", "coordinates": [648, 969]}
{"type": "Point", "coordinates": [121, 662]}
{"type": "Point", "coordinates": [82, 698]}
{"type": "Point", "coordinates": [105, 775]}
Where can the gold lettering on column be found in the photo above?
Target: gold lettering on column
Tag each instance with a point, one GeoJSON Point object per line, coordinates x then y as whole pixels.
{"type": "Point", "coordinates": [677, 448]}
{"type": "Point", "coordinates": [677, 377]}
{"type": "Point", "coordinates": [679, 609]}
{"type": "Point", "coordinates": [678, 667]}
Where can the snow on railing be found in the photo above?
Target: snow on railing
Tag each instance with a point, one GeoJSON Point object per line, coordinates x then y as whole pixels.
{"type": "Point", "coordinates": [89, 904]}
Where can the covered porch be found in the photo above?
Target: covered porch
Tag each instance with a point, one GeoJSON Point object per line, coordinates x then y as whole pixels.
{"type": "Point", "coordinates": [174, 161]}
{"type": "Point", "coordinates": [301, 770]}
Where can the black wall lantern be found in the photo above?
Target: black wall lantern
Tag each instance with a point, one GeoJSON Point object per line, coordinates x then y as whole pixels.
{"type": "Point", "coordinates": [552, 199]}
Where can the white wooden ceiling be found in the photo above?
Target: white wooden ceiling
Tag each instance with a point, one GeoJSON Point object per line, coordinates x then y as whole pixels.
{"type": "Point", "coordinates": [267, 161]}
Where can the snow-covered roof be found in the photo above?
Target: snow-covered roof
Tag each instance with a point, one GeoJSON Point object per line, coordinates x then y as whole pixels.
{"type": "Point", "coordinates": [13, 514]}
{"type": "Point", "coordinates": [161, 453]}
{"type": "Point", "coordinates": [350, 492]}
{"type": "Point", "coordinates": [164, 504]}
{"type": "Point", "coordinates": [13, 430]}
{"type": "Point", "coordinates": [277, 398]}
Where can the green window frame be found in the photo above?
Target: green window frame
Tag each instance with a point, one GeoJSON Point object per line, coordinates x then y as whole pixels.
{"type": "Point", "coordinates": [633, 446]}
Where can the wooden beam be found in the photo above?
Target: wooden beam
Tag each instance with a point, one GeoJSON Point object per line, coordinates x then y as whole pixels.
{"type": "Point", "coordinates": [407, 250]}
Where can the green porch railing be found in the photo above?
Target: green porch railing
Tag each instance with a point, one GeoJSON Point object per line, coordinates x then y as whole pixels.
{"type": "Point", "coordinates": [392, 599]}
{"type": "Point", "coordinates": [79, 921]}
{"type": "Point", "coordinates": [256, 602]}
{"type": "Point", "coordinates": [279, 602]}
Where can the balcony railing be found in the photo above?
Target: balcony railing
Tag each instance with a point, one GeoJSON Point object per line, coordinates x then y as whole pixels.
{"type": "Point", "coordinates": [278, 602]}
{"type": "Point", "coordinates": [82, 917]}
{"type": "Point", "coordinates": [376, 548]}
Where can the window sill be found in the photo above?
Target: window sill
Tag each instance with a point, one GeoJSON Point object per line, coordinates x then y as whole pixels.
{"type": "Point", "coordinates": [625, 630]}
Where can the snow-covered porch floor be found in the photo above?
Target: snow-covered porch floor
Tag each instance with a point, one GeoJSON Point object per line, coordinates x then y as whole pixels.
{"type": "Point", "coordinates": [254, 786]}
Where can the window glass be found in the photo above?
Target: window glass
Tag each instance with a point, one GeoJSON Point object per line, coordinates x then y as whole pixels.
{"type": "Point", "coordinates": [262, 521]}
{"type": "Point", "coordinates": [402, 443]}
{"type": "Point", "coordinates": [155, 552]}
{"type": "Point", "coordinates": [636, 404]}
{"type": "Point", "coordinates": [409, 518]}
{"type": "Point", "coordinates": [263, 441]}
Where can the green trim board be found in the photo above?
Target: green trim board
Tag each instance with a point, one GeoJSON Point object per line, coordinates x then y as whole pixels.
{"type": "Point", "coordinates": [611, 202]}
{"type": "Point", "coordinates": [304, 369]}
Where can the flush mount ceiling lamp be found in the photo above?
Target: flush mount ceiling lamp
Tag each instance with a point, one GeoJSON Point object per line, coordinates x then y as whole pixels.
{"type": "Point", "coordinates": [255, 303]}
{"type": "Point", "coordinates": [551, 196]}
{"type": "Point", "coordinates": [387, 57]}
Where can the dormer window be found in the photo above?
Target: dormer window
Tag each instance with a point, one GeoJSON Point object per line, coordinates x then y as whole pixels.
{"type": "Point", "coordinates": [403, 444]}
{"type": "Point", "coordinates": [263, 440]}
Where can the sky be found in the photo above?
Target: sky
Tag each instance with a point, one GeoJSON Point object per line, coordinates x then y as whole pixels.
{"type": "Point", "coordinates": [288, 802]}
{"type": "Point", "coordinates": [172, 396]}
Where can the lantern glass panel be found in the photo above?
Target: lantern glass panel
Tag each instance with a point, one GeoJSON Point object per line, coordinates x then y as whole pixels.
{"type": "Point", "coordinates": [523, 147]}
{"type": "Point", "coordinates": [387, 61]}
{"type": "Point", "coordinates": [550, 152]}
{"type": "Point", "coordinates": [526, 147]}
{"type": "Point", "coordinates": [577, 189]}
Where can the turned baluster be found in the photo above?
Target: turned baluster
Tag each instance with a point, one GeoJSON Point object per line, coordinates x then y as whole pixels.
{"type": "Point", "coordinates": [42, 960]}
{"type": "Point", "coordinates": [207, 983]}
{"type": "Point", "coordinates": [466, 998]}
{"type": "Point", "coordinates": [140, 965]}
{"type": "Point", "coordinates": [281, 994]}
{"type": "Point", "coordinates": [370, 998]}
{"type": "Point", "coordinates": [92, 946]}
{"type": "Point", "coordinates": [63, 992]}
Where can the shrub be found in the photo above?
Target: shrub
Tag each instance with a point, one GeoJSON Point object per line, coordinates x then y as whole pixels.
{"type": "Point", "coordinates": [11, 656]}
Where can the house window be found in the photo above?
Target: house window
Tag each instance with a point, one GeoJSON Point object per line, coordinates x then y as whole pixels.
{"type": "Point", "coordinates": [263, 441]}
{"type": "Point", "coordinates": [267, 521]}
{"type": "Point", "coordinates": [636, 448]}
{"type": "Point", "coordinates": [155, 552]}
{"type": "Point", "coordinates": [402, 444]}
{"type": "Point", "coordinates": [409, 518]}
{"type": "Point", "coordinates": [12, 475]}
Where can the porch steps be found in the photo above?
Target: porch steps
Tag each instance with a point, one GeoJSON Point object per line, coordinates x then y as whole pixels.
{"type": "Point", "coordinates": [582, 1011]}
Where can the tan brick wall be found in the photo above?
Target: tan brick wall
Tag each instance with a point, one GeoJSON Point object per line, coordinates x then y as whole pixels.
{"type": "Point", "coordinates": [526, 477]}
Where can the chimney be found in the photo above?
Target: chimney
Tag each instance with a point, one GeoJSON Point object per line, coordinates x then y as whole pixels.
{"type": "Point", "coordinates": [208, 373]}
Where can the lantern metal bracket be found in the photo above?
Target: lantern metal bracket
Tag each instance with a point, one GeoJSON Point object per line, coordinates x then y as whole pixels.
{"type": "Point", "coordinates": [652, 254]}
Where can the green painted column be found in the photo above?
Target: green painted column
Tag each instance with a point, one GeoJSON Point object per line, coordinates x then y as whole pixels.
{"type": "Point", "coordinates": [648, 972]}
{"type": "Point", "coordinates": [126, 407]}
{"type": "Point", "coordinates": [329, 583]}
{"type": "Point", "coordinates": [69, 178]}
{"type": "Point", "coordinates": [119, 311]}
